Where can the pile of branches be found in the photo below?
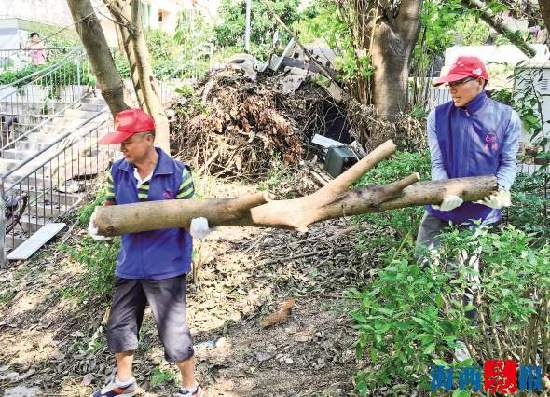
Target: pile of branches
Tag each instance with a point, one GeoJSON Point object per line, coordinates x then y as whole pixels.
{"type": "Point", "coordinates": [234, 127]}
{"type": "Point", "coordinates": [370, 130]}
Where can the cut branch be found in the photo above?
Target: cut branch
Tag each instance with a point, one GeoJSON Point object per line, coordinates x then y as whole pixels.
{"type": "Point", "coordinates": [332, 201]}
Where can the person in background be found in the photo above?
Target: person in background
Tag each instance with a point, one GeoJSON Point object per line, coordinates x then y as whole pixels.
{"type": "Point", "coordinates": [36, 49]}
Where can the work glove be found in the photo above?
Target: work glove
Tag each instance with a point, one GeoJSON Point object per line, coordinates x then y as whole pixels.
{"type": "Point", "coordinates": [497, 200]}
{"type": "Point", "coordinates": [449, 203]}
{"type": "Point", "coordinates": [93, 231]}
{"type": "Point", "coordinates": [199, 228]}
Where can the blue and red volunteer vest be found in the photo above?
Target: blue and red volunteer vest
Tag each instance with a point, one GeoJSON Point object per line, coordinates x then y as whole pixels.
{"type": "Point", "coordinates": [155, 254]}
{"type": "Point", "coordinates": [470, 139]}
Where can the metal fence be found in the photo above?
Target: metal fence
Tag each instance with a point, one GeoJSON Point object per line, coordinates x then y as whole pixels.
{"type": "Point", "coordinates": [53, 182]}
{"type": "Point", "coordinates": [31, 101]}
{"type": "Point", "coordinates": [18, 58]}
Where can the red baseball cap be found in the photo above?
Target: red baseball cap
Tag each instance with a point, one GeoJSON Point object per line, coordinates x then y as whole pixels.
{"type": "Point", "coordinates": [463, 67]}
{"type": "Point", "coordinates": [127, 123]}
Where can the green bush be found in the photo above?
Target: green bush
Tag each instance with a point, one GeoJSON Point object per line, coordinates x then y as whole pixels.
{"type": "Point", "coordinates": [403, 222]}
{"type": "Point", "coordinates": [97, 257]}
{"type": "Point", "coordinates": [99, 261]}
{"type": "Point", "coordinates": [231, 31]}
{"type": "Point", "coordinates": [61, 76]}
{"type": "Point", "coordinates": [411, 317]}
{"type": "Point", "coordinates": [529, 211]}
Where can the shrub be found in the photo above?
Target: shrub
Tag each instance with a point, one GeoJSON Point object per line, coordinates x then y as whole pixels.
{"type": "Point", "coordinates": [411, 317]}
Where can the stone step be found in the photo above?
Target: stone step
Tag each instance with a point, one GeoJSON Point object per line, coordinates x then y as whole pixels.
{"type": "Point", "coordinates": [6, 165]}
{"type": "Point", "coordinates": [48, 208]}
{"type": "Point", "coordinates": [17, 154]}
{"type": "Point", "coordinates": [31, 224]}
{"type": "Point", "coordinates": [54, 198]}
{"type": "Point", "coordinates": [93, 106]}
{"type": "Point", "coordinates": [13, 242]}
{"type": "Point", "coordinates": [78, 114]}
{"type": "Point", "coordinates": [32, 146]}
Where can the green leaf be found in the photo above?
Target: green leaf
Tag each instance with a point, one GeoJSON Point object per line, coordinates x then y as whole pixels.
{"type": "Point", "coordinates": [461, 393]}
{"type": "Point", "coordinates": [429, 349]}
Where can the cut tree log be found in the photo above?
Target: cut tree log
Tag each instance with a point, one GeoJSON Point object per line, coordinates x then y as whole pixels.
{"type": "Point", "coordinates": [334, 200]}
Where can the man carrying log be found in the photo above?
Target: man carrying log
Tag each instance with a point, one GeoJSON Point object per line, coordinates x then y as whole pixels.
{"type": "Point", "coordinates": [471, 135]}
{"type": "Point", "coordinates": [151, 265]}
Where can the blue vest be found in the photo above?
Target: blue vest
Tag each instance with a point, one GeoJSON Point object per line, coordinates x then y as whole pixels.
{"type": "Point", "coordinates": [156, 254]}
{"type": "Point", "coordinates": [470, 139]}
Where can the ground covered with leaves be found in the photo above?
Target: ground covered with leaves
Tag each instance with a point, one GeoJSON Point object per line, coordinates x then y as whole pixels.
{"type": "Point", "coordinates": [52, 325]}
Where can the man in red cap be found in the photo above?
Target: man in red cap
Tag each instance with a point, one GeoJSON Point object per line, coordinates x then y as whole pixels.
{"type": "Point", "coordinates": [151, 266]}
{"type": "Point", "coordinates": [472, 135]}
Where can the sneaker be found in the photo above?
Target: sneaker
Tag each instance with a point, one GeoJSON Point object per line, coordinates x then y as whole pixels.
{"type": "Point", "coordinates": [112, 388]}
{"type": "Point", "coordinates": [195, 391]}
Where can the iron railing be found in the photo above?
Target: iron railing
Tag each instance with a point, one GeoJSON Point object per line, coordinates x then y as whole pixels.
{"type": "Point", "coordinates": [54, 181]}
{"type": "Point", "coordinates": [18, 58]}
{"type": "Point", "coordinates": [30, 102]}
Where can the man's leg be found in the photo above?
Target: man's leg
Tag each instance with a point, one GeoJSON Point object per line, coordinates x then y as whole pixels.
{"type": "Point", "coordinates": [124, 362]}
{"type": "Point", "coordinates": [428, 236]}
{"type": "Point", "coordinates": [187, 369]}
{"type": "Point", "coordinates": [167, 300]}
{"type": "Point", "coordinates": [124, 323]}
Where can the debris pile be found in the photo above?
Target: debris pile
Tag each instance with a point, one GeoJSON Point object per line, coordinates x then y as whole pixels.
{"type": "Point", "coordinates": [245, 116]}
{"type": "Point", "coordinates": [232, 126]}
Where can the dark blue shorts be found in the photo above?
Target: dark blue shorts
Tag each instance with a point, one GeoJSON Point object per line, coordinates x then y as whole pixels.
{"type": "Point", "coordinates": [167, 301]}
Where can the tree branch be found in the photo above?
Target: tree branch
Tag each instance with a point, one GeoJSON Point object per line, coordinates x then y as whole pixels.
{"type": "Point", "coordinates": [332, 201]}
{"type": "Point", "coordinates": [498, 24]}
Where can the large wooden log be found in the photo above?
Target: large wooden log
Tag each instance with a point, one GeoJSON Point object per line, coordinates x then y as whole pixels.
{"type": "Point", "coordinates": [334, 200]}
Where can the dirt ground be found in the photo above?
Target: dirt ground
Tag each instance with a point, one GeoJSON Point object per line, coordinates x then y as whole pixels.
{"type": "Point", "coordinates": [52, 342]}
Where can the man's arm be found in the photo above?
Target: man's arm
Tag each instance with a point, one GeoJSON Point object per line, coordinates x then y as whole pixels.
{"type": "Point", "coordinates": [439, 173]}
{"type": "Point", "coordinates": [110, 198]}
{"type": "Point", "coordinates": [506, 173]}
{"type": "Point", "coordinates": [187, 188]}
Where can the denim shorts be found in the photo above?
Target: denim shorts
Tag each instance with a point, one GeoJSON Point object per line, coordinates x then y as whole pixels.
{"type": "Point", "coordinates": [167, 301]}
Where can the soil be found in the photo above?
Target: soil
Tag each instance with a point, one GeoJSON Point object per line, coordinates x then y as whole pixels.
{"type": "Point", "coordinates": [52, 341]}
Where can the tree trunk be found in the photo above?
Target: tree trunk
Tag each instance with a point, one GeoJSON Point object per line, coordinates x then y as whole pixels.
{"type": "Point", "coordinates": [90, 31]}
{"type": "Point", "coordinates": [127, 15]}
{"type": "Point", "coordinates": [123, 37]}
{"type": "Point", "coordinates": [545, 11]}
{"type": "Point", "coordinates": [332, 201]}
{"type": "Point", "coordinates": [151, 93]}
{"type": "Point", "coordinates": [394, 39]}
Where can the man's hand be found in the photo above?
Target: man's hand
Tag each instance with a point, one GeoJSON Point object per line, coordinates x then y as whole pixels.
{"type": "Point", "coordinates": [497, 200]}
{"type": "Point", "coordinates": [449, 203]}
{"type": "Point", "coordinates": [92, 230]}
{"type": "Point", "coordinates": [199, 228]}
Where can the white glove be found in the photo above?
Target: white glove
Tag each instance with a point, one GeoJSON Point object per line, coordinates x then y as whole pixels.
{"type": "Point", "coordinates": [199, 228]}
{"type": "Point", "coordinates": [449, 203]}
{"type": "Point", "coordinates": [93, 231]}
{"type": "Point", "coordinates": [497, 200]}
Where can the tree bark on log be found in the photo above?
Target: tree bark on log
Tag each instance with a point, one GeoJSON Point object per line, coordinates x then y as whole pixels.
{"type": "Point", "coordinates": [332, 201]}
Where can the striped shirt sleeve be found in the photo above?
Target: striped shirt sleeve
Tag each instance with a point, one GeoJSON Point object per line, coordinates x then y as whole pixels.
{"type": "Point", "coordinates": [110, 188]}
{"type": "Point", "coordinates": [186, 189]}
